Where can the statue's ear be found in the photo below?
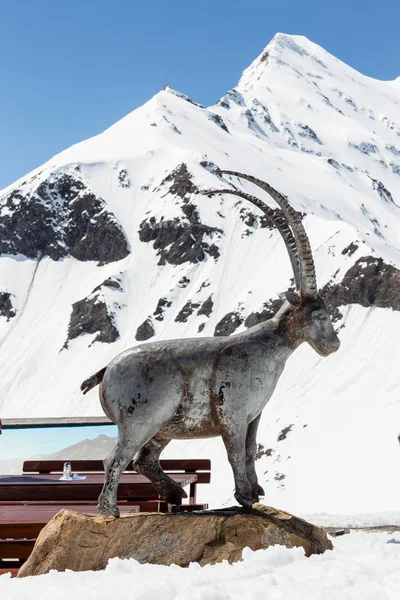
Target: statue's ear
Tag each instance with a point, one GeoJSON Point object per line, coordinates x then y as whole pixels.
{"type": "Point", "coordinates": [293, 298]}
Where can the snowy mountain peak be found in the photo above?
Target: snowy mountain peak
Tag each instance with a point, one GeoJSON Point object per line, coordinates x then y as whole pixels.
{"type": "Point", "coordinates": [291, 51]}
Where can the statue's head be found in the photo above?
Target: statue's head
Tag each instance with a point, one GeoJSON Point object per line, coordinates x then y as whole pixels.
{"type": "Point", "coordinates": [307, 318]}
{"type": "Point", "coordinates": [309, 321]}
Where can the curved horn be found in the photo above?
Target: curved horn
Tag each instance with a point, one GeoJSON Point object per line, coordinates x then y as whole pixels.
{"type": "Point", "coordinates": [308, 280]}
{"type": "Point", "coordinates": [275, 219]}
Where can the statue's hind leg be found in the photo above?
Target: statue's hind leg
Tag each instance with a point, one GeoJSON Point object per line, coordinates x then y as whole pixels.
{"type": "Point", "coordinates": [148, 463]}
{"type": "Point", "coordinates": [128, 443]}
{"type": "Point", "coordinates": [251, 451]}
{"type": "Point", "coordinates": [234, 438]}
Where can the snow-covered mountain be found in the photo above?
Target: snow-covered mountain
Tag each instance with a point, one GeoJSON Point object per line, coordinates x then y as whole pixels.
{"type": "Point", "coordinates": [111, 243]}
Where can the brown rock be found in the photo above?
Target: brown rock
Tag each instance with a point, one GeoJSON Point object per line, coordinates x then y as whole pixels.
{"type": "Point", "coordinates": [81, 542]}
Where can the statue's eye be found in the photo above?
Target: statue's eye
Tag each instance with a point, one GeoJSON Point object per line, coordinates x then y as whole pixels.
{"type": "Point", "coordinates": [319, 316]}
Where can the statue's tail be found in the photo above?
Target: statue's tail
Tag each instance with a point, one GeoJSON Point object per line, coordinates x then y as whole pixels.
{"type": "Point", "coordinates": [94, 380]}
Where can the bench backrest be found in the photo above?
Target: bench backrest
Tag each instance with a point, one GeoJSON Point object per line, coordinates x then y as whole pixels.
{"type": "Point", "coordinates": [200, 466]}
{"type": "Point", "coordinates": [192, 465]}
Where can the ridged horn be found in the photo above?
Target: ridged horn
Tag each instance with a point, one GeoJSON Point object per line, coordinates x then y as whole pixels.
{"type": "Point", "coordinates": [276, 220]}
{"type": "Point", "coordinates": [308, 280]}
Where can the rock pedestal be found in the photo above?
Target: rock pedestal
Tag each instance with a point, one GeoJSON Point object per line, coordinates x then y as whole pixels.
{"type": "Point", "coordinates": [82, 542]}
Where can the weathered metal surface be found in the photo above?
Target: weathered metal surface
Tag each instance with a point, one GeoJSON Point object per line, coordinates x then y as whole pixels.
{"type": "Point", "coordinates": [206, 387]}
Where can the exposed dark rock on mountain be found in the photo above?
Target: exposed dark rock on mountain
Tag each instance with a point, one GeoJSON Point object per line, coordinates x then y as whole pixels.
{"type": "Point", "coordinates": [395, 168]}
{"type": "Point", "coordinates": [205, 284]}
{"type": "Point", "coordinates": [283, 434]}
{"type": "Point", "coordinates": [228, 324]}
{"type": "Point", "coordinates": [61, 217]}
{"type": "Point", "coordinates": [369, 282]}
{"type": "Point", "coordinates": [209, 166]}
{"type": "Point", "coordinates": [181, 182]}
{"type": "Point", "coordinates": [382, 191]}
{"type": "Point", "coordinates": [268, 311]}
{"type": "Point", "coordinates": [393, 149]}
{"type": "Point", "coordinates": [123, 179]}
{"type": "Point", "coordinates": [218, 120]}
{"type": "Point", "coordinates": [365, 147]}
{"type": "Point", "coordinates": [305, 131]}
{"type": "Point", "coordinates": [145, 331]}
{"type": "Point", "coordinates": [206, 307]}
{"type": "Point", "coordinates": [6, 308]}
{"type": "Point", "coordinates": [184, 282]}
{"type": "Point", "coordinates": [351, 248]}
{"type": "Point", "coordinates": [190, 212]}
{"type": "Point", "coordinates": [248, 217]}
{"type": "Point", "coordinates": [176, 240]}
{"type": "Point", "coordinates": [92, 315]}
{"type": "Point", "coordinates": [261, 451]}
{"type": "Point", "coordinates": [186, 311]}
{"type": "Point", "coordinates": [183, 96]}
{"type": "Point", "coordinates": [111, 283]}
{"type": "Point", "coordinates": [162, 304]}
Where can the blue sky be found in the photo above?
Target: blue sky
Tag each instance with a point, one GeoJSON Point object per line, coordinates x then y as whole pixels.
{"type": "Point", "coordinates": [68, 70]}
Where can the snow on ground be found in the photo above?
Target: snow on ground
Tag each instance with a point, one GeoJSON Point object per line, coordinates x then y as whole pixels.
{"type": "Point", "coordinates": [362, 566]}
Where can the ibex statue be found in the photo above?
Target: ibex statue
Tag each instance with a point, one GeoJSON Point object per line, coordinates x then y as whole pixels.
{"type": "Point", "coordinates": [205, 387]}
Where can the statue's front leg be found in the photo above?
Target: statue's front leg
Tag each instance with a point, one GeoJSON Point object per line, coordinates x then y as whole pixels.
{"type": "Point", "coordinates": [114, 465]}
{"type": "Point", "coordinates": [251, 451]}
{"type": "Point", "coordinates": [235, 443]}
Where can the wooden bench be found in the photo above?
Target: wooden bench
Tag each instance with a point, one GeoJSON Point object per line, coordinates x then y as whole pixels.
{"type": "Point", "coordinates": [200, 467]}
{"type": "Point", "coordinates": [21, 523]}
{"type": "Point", "coordinates": [22, 518]}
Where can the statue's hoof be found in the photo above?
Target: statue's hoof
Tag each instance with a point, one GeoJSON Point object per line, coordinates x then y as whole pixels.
{"type": "Point", "coordinates": [173, 494]}
{"type": "Point", "coordinates": [257, 492]}
{"type": "Point", "coordinates": [174, 498]}
{"type": "Point", "coordinates": [245, 501]}
{"type": "Point", "coordinates": [108, 511]}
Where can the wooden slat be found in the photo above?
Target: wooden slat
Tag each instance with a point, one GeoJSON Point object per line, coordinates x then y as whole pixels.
{"type": "Point", "coordinates": [189, 464]}
{"type": "Point", "coordinates": [83, 466]}
{"type": "Point", "coordinates": [11, 563]}
{"type": "Point", "coordinates": [57, 466]}
{"type": "Point", "coordinates": [49, 487]}
{"type": "Point", "coordinates": [202, 478]}
{"type": "Point", "coordinates": [16, 548]}
{"type": "Point", "coordinates": [18, 521]}
{"type": "Point", "coordinates": [12, 570]}
{"type": "Point", "coordinates": [20, 530]}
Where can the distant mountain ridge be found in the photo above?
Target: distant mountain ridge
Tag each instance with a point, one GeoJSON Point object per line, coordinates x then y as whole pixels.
{"type": "Point", "coordinates": [88, 449]}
